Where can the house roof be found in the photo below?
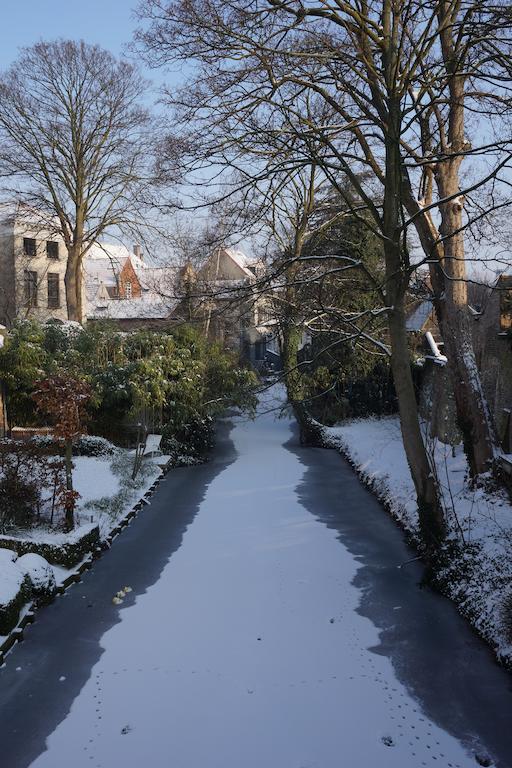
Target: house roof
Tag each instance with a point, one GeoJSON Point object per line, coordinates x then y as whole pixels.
{"type": "Point", "coordinates": [131, 309]}
{"type": "Point", "coordinates": [241, 260]}
{"type": "Point", "coordinates": [103, 264]}
{"type": "Point", "coordinates": [418, 316]}
{"type": "Point", "coordinates": [162, 280]}
{"type": "Point", "coordinates": [160, 286]}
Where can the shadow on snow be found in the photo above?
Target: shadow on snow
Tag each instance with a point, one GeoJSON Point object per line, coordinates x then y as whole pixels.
{"type": "Point", "coordinates": [434, 652]}
{"type": "Point", "coordinates": [66, 637]}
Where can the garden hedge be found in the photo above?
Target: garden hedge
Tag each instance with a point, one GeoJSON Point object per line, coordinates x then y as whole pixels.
{"type": "Point", "coordinates": [68, 550]}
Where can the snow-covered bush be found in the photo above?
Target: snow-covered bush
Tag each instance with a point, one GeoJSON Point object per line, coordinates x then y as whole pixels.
{"type": "Point", "coordinates": [175, 376]}
{"type": "Point", "coordinates": [19, 499]}
{"type": "Point", "coordinates": [85, 445]}
{"type": "Point", "coordinates": [45, 443]}
{"type": "Point", "coordinates": [14, 591]}
{"type": "Point", "coordinates": [7, 556]}
{"type": "Point", "coordinates": [193, 439]}
{"type": "Point", "coordinates": [109, 509]}
{"type": "Point", "coordinates": [64, 549]}
{"type": "Point", "coordinates": [31, 483]}
{"type": "Point", "coordinates": [40, 573]}
{"type": "Point", "coordinates": [92, 445]}
{"type": "Point", "coordinates": [111, 506]}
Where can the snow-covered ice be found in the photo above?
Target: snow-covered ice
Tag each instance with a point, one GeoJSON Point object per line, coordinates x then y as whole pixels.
{"type": "Point", "coordinates": [249, 651]}
{"type": "Point", "coordinates": [480, 520]}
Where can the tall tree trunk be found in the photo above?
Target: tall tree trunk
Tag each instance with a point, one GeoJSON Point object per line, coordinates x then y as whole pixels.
{"type": "Point", "coordinates": [430, 513]}
{"type": "Point", "coordinates": [291, 336]}
{"type": "Point", "coordinates": [448, 278]}
{"type": "Point", "coordinates": [73, 284]}
{"type": "Point", "coordinates": [445, 250]}
{"type": "Point", "coordinates": [79, 286]}
{"type": "Point", "coordinates": [473, 415]}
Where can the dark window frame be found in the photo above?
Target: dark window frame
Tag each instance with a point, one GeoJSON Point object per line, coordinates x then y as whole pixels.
{"type": "Point", "coordinates": [52, 249]}
{"type": "Point", "coordinates": [52, 282]}
{"type": "Point", "coordinates": [31, 288]}
{"type": "Point", "coordinates": [30, 246]}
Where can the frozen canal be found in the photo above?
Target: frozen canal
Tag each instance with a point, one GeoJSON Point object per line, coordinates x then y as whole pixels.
{"type": "Point", "coordinates": [268, 627]}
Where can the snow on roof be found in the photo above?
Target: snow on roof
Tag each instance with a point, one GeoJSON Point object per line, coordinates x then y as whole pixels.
{"type": "Point", "coordinates": [23, 217]}
{"type": "Point", "coordinates": [101, 271]}
{"type": "Point", "coordinates": [241, 260]}
{"type": "Point", "coordinates": [132, 309]}
{"type": "Point", "coordinates": [115, 253]}
{"type": "Point", "coordinates": [160, 279]}
{"type": "Point", "coordinates": [419, 316]}
{"type": "Point", "coordinates": [102, 265]}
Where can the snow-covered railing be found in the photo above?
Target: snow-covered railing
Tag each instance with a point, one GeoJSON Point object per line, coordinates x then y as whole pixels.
{"type": "Point", "coordinates": [436, 355]}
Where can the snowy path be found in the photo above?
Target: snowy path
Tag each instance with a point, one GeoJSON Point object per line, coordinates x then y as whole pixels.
{"type": "Point", "coordinates": [280, 634]}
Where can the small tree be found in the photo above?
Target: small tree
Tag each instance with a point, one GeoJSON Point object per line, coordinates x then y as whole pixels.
{"type": "Point", "coordinates": [64, 401]}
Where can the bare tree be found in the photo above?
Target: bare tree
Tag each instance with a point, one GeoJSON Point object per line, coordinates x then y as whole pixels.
{"type": "Point", "coordinates": [396, 80]}
{"type": "Point", "coordinates": [301, 210]}
{"type": "Point", "coordinates": [74, 145]}
{"type": "Point", "coordinates": [258, 58]}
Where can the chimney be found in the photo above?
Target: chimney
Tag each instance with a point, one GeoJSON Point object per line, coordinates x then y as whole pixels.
{"type": "Point", "coordinates": [137, 251]}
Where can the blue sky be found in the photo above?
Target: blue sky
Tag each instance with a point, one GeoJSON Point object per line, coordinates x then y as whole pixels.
{"type": "Point", "coordinates": [110, 23]}
{"type": "Point", "coordinates": [107, 22]}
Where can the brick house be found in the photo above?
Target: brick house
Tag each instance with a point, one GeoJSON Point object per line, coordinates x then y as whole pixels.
{"type": "Point", "coordinates": [122, 288]}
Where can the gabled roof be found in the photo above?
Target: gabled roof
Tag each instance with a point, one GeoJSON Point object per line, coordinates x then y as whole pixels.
{"type": "Point", "coordinates": [241, 260]}
{"type": "Point", "coordinates": [102, 266]}
{"type": "Point", "coordinates": [131, 309]}
{"type": "Point", "coordinates": [163, 280]}
{"type": "Point", "coordinates": [418, 316]}
{"type": "Point", "coordinates": [111, 258]}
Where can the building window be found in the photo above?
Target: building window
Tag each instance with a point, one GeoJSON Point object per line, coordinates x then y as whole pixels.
{"type": "Point", "coordinates": [53, 290]}
{"type": "Point", "coordinates": [52, 249]}
{"type": "Point", "coordinates": [30, 288]}
{"type": "Point", "coordinates": [128, 289]}
{"type": "Point", "coordinates": [29, 246]}
{"type": "Point", "coordinates": [505, 288]}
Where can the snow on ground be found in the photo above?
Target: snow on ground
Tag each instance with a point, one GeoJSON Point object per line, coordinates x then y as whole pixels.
{"type": "Point", "coordinates": [107, 491]}
{"type": "Point", "coordinates": [480, 579]}
{"type": "Point", "coordinates": [11, 578]}
{"type": "Point", "coordinates": [107, 494]}
{"type": "Point", "coordinates": [256, 655]}
{"type": "Point", "coordinates": [93, 478]}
